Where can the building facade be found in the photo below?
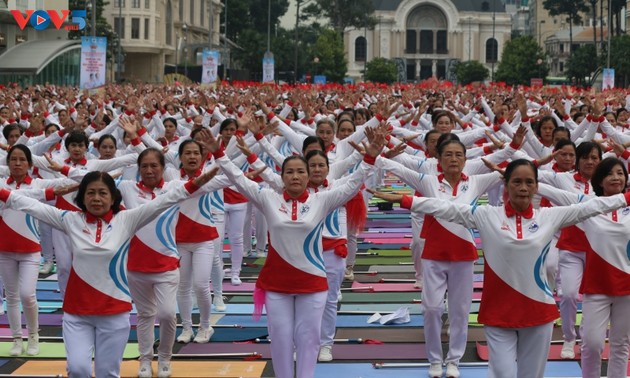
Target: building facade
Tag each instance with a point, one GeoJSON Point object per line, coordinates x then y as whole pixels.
{"type": "Point", "coordinates": [427, 37]}
{"type": "Point", "coordinates": [159, 33]}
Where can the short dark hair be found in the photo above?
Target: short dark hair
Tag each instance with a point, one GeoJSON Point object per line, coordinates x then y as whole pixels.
{"type": "Point", "coordinates": [602, 170]}
{"type": "Point", "coordinates": [10, 127]}
{"type": "Point", "coordinates": [313, 153]}
{"type": "Point", "coordinates": [107, 180]}
{"type": "Point", "coordinates": [311, 139]}
{"type": "Point", "coordinates": [291, 158]}
{"type": "Point", "coordinates": [152, 150]}
{"type": "Point", "coordinates": [77, 137]}
{"type": "Point", "coordinates": [564, 142]}
{"type": "Point", "coordinates": [518, 163]}
{"type": "Point", "coordinates": [442, 146]}
{"type": "Point", "coordinates": [584, 149]}
{"type": "Point", "coordinates": [23, 148]}
{"type": "Point", "coordinates": [561, 129]}
{"type": "Point", "coordinates": [227, 122]}
{"type": "Point", "coordinates": [104, 137]}
{"type": "Point", "coordinates": [543, 120]}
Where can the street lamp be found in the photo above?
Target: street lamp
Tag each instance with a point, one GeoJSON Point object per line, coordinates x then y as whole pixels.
{"type": "Point", "coordinates": [185, 27]}
{"type": "Point", "coordinates": [177, 53]}
{"type": "Point", "coordinates": [540, 31]}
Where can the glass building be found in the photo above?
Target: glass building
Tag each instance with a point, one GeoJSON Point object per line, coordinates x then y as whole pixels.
{"type": "Point", "coordinates": [42, 61]}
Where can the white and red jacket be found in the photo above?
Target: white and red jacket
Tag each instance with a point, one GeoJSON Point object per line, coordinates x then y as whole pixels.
{"type": "Point", "coordinates": [448, 241]}
{"type": "Point", "coordinates": [295, 263]}
{"type": "Point", "coordinates": [516, 292]}
{"type": "Point", "coordinates": [607, 268]}
{"type": "Point", "coordinates": [98, 281]}
{"type": "Point", "coordinates": [571, 239]}
{"type": "Point", "coordinates": [20, 231]}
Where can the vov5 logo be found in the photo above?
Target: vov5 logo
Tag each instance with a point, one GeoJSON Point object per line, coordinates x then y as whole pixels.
{"type": "Point", "coordinates": [41, 19]}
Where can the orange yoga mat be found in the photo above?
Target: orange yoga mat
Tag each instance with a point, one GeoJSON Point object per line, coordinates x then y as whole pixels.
{"type": "Point", "coordinates": [251, 369]}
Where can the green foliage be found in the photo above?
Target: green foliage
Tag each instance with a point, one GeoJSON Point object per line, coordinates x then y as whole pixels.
{"type": "Point", "coordinates": [343, 13]}
{"type": "Point", "coordinates": [329, 50]}
{"type": "Point", "coordinates": [103, 28]}
{"type": "Point", "coordinates": [381, 70]}
{"type": "Point", "coordinates": [471, 71]}
{"type": "Point", "coordinates": [519, 62]}
{"type": "Point", "coordinates": [582, 63]}
{"type": "Point", "coordinates": [570, 8]}
{"type": "Point", "coordinates": [247, 27]}
{"type": "Point", "coordinates": [619, 59]}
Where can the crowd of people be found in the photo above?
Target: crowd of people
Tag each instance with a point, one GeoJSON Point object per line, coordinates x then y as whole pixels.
{"type": "Point", "coordinates": [129, 191]}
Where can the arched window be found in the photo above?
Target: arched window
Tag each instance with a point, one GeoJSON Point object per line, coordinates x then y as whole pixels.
{"type": "Point", "coordinates": [181, 10]}
{"type": "Point", "coordinates": [360, 49]}
{"type": "Point", "coordinates": [169, 23]}
{"type": "Point", "coordinates": [492, 51]}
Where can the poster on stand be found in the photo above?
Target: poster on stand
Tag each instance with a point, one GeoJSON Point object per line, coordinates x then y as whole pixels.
{"type": "Point", "coordinates": [209, 75]}
{"type": "Point", "coordinates": [93, 62]}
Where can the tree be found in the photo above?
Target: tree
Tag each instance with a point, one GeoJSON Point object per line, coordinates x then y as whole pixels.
{"type": "Point", "coordinates": [343, 13]}
{"type": "Point", "coordinates": [471, 71]}
{"type": "Point", "coordinates": [522, 60]}
{"type": "Point", "coordinates": [381, 70]}
{"type": "Point", "coordinates": [103, 28]}
{"type": "Point", "coordinates": [617, 6]}
{"type": "Point", "coordinates": [582, 64]}
{"type": "Point", "coordinates": [571, 8]}
{"type": "Point", "coordinates": [329, 50]}
{"type": "Point", "coordinates": [619, 59]}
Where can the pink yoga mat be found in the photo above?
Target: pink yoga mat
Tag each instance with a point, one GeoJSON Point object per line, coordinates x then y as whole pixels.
{"type": "Point", "coordinates": [384, 235]}
{"type": "Point", "coordinates": [244, 287]}
{"type": "Point", "coordinates": [554, 352]}
{"type": "Point", "coordinates": [388, 240]}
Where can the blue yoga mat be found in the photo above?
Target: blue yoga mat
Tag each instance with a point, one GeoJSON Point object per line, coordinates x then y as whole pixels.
{"type": "Point", "coordinates": [46, 295]}
{"type": "Point", "coordinates": [47, 285]}
{"type": "Point", "coordinates": [337, 370]}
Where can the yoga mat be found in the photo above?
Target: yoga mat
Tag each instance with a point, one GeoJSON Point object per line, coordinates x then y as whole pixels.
{"type": "Point", "coordinates": [384, 235]}
{"type": "Point", "coordinates": [390, 216]}
{"type": "Point", "coordinates": [57, 350]}
{"type": "Point", "coordinates": [342, 321]}
{"type": "Point", "coordinates": [578, 319]}
{"type": "Point", "coordinates": [391, 252]}
{"type": "Point", "coordinates": [345, 370]}
{"type": "Point", "coordinates": [554, 352]}
{"type": "Point", "coordinates": [44, 319]}
{"type": "Point", "coordinates": [48, 295]}
{"type": "Point", "coordinates": [371, 260]}
{"type": "Point", "coordinates": [244, 287]}
{"type": "Point", "coordinates": [392, 268]}
{"type": "Point", "coordinates": [393, 224]}
{"type": "Point", "coordinates": [360, 321]}
{"type": "Point", "coordinates": [386, 231]}
{"type": "Point", "coordinates": [238, 334]}
{"type": "Point", "coordinates": [390, 240]}
{"type": "Point", "coordinates": [366, 246]}
{"type": "Point", "coordinates": [414, 309]}
{"type": "Point", "coordinates": [180, 368]}
{"type": "Point", "coordinates": [367, 279]}
{"type": "Point", "coordinates": [341, 351]}
{"type": "Point", "coordinates": [387, 335]}
{"type": "Point", "coordinates": [385, 287]}
{"type": "Point", "coordinates": [47, 285]}
{"type": "Point", "coordinates": [379, 297]}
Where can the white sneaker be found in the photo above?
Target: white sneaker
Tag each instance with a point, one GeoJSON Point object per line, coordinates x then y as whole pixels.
{"type": "Point", "coordinates": [218, 303]}
{"type": "Point", "coordinates": [145, 370]}
{"type": "Point", "coordinates": [261, 253]}
{"type": "Point", "coordinates": [417, 284]}
{"type": "Point", "coordinates": [186, 336]}
{"type": "Point", "coordinates": [46, 268]}
{"type": "Point", "coordinates": [325, 353]}
{"type": "Point", "coordinates": [349, 273]}
{"type": "Point", "coordinates": [236, 281]}
{"type": "Point", "coordinates": [568, 351]}
{"type": "Point", "coordinates": [203, 335]}
{"type": "Point", "coordinates": [32, 347]}
{"type": "Point", "coordinates": [452, 371]}
{"type": "Point", "coordinates": [164, 369]}
{"type": "Point", "coordinates": [435, 371]}
{"type": "Point", "coordinates": [17, 348]}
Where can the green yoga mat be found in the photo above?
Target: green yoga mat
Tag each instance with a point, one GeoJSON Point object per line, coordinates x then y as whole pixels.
{"type": "Point", "coordinates": [57, 350]}
{"type": "Point", "coordinates": [397, 297]}
{"type": "Point", "coordinates": [377, 260]}
{"type": "Point", "coordinates": [390, 252]}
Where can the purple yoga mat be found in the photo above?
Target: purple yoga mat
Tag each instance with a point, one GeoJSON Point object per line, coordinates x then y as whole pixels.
{"type": "Point", "coordinates": [388, 231]}
{"type": "Point", "coordinates": [384, 235]}
{"type": "Point", "coordinates": [392, 351]}
{"type": "Point", "coordinates": [244, 287]}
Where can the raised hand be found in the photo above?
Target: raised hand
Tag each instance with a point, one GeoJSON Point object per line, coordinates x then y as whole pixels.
{"type": "Point", "coordinates": [62, 191]}
{"type": "Point", "coordinates": [240, 143]}
{"type": "Point", "coordinates": [202, 179]}
{"type": "Point", "coordinates": [389, 197]}
{"type": "Point", "coordinates": [53, 165]}
{"type": "Point", "coordinates": [207, 140]}
{"type": "Point", "coordinates": [519, 135]}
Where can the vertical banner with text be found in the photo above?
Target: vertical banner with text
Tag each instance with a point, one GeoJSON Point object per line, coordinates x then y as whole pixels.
{"type": "Point", "coordinates": [608, 81]}
{"type": "Point", "coordinates": [210, 63]}
{"type": "Point", "coordinates": [93, 61]}
{"type": "Point", "coordinates": [268, 68]}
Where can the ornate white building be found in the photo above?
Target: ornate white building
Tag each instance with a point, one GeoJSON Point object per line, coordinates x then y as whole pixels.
{"type": "Point", "coordinates": [425, 37]}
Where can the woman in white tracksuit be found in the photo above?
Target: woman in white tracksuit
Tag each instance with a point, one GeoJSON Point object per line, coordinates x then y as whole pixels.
{"type": "Point", "coordinates": [517, 307]}
{"type": "Point", "coordinates": [292, 283]}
